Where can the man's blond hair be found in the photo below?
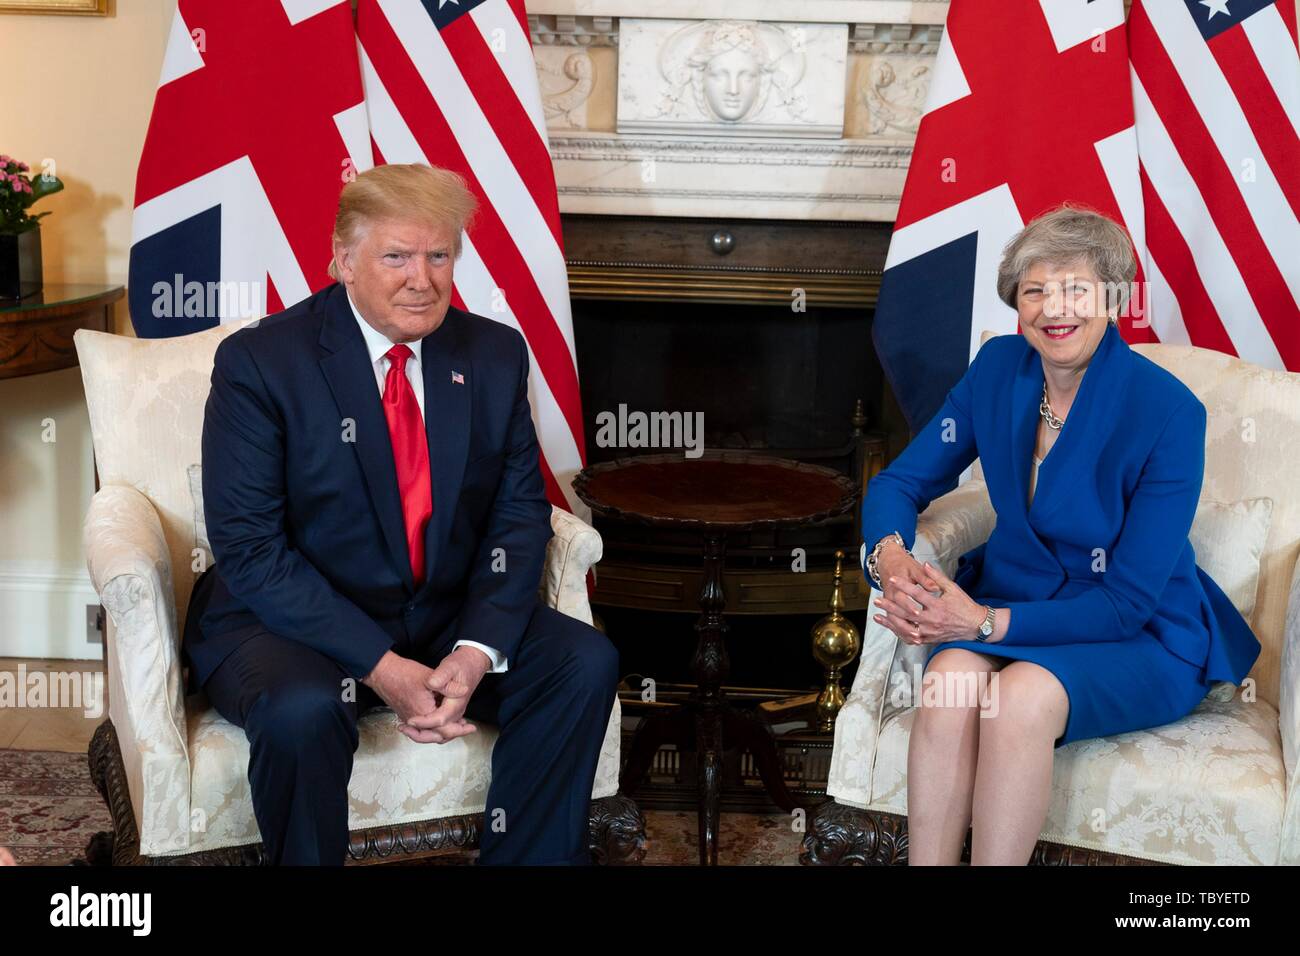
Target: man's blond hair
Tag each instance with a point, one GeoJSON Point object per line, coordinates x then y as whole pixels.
{"type": "Point", "coordinates": [403, 191]}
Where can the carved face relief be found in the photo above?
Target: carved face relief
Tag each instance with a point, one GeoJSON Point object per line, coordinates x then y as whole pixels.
{"type": "Point", "coordinates": [731, 83]}
{"type": "Point", "coordinates": [731, 77]}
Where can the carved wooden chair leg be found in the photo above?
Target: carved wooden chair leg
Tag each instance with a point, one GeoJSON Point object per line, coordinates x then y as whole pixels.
{"type": "Point", "coordinates": [839, 835]}
{"type": "Point", "coordinates": [617, 831]}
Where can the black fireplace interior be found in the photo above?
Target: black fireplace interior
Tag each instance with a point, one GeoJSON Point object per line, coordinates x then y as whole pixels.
{"type": "Point", "coordinates": [764, 377]}
{"type": "Point", "coordinates": [664, 322]}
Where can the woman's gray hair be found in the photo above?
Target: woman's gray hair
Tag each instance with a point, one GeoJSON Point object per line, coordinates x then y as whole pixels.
{"type": "Point", "coordinates": [1067, 235]}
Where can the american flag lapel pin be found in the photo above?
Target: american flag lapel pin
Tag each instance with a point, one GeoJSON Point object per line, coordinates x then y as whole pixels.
{"type": "Point", "coordinates": [457, 378]}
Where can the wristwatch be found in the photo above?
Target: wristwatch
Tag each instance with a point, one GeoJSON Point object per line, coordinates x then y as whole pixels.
{"type": "Point", "coordinates": [986, 628]}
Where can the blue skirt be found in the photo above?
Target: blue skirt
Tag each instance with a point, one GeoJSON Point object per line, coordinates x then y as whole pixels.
{"type": "Point", "coordinates": [1113, 686]}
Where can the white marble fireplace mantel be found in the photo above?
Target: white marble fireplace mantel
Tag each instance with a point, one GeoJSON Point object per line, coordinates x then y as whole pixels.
{"type": "Point", "coordinates": [773, 109]}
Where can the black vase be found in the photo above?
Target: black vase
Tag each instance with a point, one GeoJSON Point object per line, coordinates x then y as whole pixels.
{"type": "Point", "coordinates": [20, 264]}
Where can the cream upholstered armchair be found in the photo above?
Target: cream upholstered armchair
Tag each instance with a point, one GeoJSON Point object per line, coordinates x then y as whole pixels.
{"type": "Point", "coordinates": [1220, 786]}
{"type": "Point", "coordinates": [174, 772]}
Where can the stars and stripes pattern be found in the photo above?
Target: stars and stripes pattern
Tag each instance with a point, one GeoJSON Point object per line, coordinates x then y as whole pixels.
{"type": "Point", "coordinates": [453, 83]}
{"type": "Point", "coordinates": [1179, 122]}
{"type": "Point", "coordinates": [1216, 93]}
{"type": "Point", "coordinates": [265, 109]}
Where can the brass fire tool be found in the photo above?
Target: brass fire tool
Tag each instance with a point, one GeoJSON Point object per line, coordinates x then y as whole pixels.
{"type": "Point", "coordinates": [835, 643]}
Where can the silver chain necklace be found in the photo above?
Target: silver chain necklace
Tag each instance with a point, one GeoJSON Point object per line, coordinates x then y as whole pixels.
{"type": "Point", "coordinates": [1045, 410]}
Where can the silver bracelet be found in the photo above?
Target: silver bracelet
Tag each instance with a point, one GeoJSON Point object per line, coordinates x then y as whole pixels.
{"type": "Point", "coordinates": [875, 553]}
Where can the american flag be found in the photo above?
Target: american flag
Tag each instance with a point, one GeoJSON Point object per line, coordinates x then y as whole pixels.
{"type": "Point", "coordinates": [1180, 122]}
{"type": "Point", "coordinates": [1216, 93]}
{"type": "Point", "coordinates": [453, 83]}
{"type": "Point", "coordinates": [264, 110]}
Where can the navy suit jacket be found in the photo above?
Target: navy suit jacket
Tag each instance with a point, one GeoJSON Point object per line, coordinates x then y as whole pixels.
{"type": "Point", "coordinates": [301, 501]}
{"type": "Point", "coordinates": [1102, 554]}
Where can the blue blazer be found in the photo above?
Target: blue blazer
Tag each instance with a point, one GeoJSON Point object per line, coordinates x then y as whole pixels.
{"type": "Point", "coordinates": [306, 526]}
{"type": "Point", "coordinates": [1102, 554]}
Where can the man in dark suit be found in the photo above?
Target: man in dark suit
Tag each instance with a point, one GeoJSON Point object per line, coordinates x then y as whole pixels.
{"type": "Point", "coordinates": [377, 517]}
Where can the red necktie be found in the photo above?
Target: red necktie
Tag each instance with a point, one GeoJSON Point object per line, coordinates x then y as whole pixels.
{"type": "Point", "coordinates": [410, 455]}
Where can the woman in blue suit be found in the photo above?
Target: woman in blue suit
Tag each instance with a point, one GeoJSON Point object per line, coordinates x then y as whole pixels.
{"type": "Point", "coordinates": [1084, 614]}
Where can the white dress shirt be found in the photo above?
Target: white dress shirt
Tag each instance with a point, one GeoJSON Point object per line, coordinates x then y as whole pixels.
{"type": "Point", "coordinates": [378, 345]}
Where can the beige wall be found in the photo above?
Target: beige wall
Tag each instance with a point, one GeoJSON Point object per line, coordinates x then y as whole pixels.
{"type": "Point", "coordinates": [79, 90]}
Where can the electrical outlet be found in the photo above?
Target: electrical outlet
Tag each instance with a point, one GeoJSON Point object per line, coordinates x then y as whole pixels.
{"type": "Point", "coordinates": [94, 624]}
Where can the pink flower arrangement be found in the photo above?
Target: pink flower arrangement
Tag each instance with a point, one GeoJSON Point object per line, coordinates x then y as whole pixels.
{"type": "Point", "coordinates": [17, 193]}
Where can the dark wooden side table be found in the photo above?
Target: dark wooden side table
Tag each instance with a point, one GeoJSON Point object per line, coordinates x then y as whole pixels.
{"type": "Point", "coordinates": [36, 331]}
{"type": "Point", "coordinates": [715, 495]}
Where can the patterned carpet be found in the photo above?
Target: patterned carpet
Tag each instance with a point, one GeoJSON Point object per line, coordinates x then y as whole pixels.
{"type": "Point", "coordinates": [48, 806]}
{"type": "Point", "coordinates": [49, 809]}
{"type": "Point", "coordinates": [745, 839]}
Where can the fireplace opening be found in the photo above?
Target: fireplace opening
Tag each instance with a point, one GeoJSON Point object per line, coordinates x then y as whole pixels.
{"type": "Point", "coordinates": [763, 329]}
{"type": "Point", "coordinates": [763, 377]}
